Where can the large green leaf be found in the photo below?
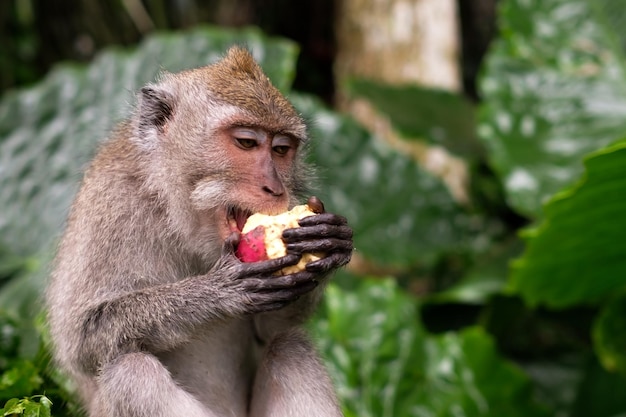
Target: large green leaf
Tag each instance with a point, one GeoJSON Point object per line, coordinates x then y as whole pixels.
{"type": "Point", "coordinates": [401, 214]}
{"type": "Point", "coordinates": [577, 254]}
{"type": "Point", "coordinates": [385, 364]}
{"type": "Point", "coordinates": [49, 132]}
{"type": "Point", "coordinates": [554, 89]}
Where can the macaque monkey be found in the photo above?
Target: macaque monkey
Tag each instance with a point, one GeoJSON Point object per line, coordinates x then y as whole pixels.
{"type": "Point", "coordinates": [151, 313]}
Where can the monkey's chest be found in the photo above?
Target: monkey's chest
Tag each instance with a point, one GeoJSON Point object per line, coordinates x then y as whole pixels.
{"type": "Point", "coordinates": [217, 366]}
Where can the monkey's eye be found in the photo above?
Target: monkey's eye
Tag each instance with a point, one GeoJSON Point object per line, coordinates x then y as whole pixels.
{"type": "Point", "coordinates": [247, 143]}
{"type": "Point", "coordinates": [281, 150]}
{"type": "Point", "coordinates": [281, 145]}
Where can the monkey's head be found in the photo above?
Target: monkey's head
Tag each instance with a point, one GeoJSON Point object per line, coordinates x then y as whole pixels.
{"type": "Point", "coordinates": [220, 143]}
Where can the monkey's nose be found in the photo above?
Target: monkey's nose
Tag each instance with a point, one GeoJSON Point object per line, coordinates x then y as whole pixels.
{"type": "Point", "coordinates": [275, 191]}
{"type": "Point", "coordinates": [271, 182]}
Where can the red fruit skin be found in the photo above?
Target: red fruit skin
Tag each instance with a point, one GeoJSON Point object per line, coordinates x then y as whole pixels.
{"type": "Point", "coordinates": [251, 246]}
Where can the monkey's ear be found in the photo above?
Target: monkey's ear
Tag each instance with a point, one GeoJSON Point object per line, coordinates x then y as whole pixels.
{"type": "Point", "coordinates": [156, 107]}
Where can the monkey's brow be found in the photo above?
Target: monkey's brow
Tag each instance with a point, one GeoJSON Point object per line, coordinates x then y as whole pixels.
{"type": "Point", "coordinates": [271, 132]}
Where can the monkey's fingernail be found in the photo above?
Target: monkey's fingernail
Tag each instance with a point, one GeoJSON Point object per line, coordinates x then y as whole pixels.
{"type": "Point", "coordinates": [315, 205]}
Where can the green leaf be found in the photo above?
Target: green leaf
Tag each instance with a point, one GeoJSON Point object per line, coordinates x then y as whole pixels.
{"type": "Point", "coordinates": [609, 334]}
{"type": "Point", "coordinates": [400, 214]}
{"type": "Point", "coordinates": [385, 364]}
{"type": "Point", "coordinates": [437, 116]}
{"type": "Point", "coordinates": [577, 254]}
{"type": "Point", "coordinates": [554, 89]}
{"type": "Point", "coordinates": [50, 131]}
{"type": "Point", "coordinates": [36, 406]}
{"type": "Point", "coordinates": [13, 406]}
{"type": "Point", "coordinates": [467, 371]}
{"type": "Point", "coordinates": [22, 378]}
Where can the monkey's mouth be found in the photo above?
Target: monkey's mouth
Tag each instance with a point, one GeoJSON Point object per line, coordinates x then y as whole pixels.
{"type": "Point", "coordinates": [237, 218]}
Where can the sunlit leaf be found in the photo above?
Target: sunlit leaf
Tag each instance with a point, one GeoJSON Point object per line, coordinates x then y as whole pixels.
{"type": "Point", "coordinates": [36, 406]}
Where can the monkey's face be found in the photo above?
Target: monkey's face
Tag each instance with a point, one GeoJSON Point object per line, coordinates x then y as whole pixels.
{"type": "Point", "coordinates": [259, 166]}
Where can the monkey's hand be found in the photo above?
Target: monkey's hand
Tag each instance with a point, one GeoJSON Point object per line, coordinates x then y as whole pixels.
{"type": "Point", "coordinates": [259, 283]}
{"type": "Point", "coordinates": [324, 232]}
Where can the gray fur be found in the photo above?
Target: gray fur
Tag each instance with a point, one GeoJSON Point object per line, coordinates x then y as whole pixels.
{"type": "Point", "coordinates": [150, 312]}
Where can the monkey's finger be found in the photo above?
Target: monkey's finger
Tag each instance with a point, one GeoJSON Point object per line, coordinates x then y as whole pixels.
{"type": "Point", "coordinates": [258, 307]}
{"type": "Point", "coordinates": [330, 262]}
{"type": "Point", "coordinates": [287, 281]}
{"type": "Point", "coordinates": [270, 266]}
{"type": "Point", "coordinates": [317, 231]}
{"type": "Point", "coordinates": [329, 218]}
{"type": "Point", "coordinates": [272, 300]}
{"type": "Point", "coordinates": [320, 245]}
{"type": "Point", "coordinates": [278, 282]}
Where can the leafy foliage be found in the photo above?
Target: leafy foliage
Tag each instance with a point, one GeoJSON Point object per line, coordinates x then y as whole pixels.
{"type": "Point", "coordinates": [576, 255]}
{"type": "Point", "coordinates": [376, 182]}
{"type": "Point", "coordinates": [386, 364]}
{"type": "Point", "coordinates": [36, 406]}
{"type": "Point", "coordinates": [50, 131]}
{"type": "Point", "coordinates": [554, 90]}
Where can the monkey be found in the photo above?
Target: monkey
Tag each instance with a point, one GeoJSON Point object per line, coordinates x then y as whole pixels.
{"type": "Point", "coordinates": [150, 312]}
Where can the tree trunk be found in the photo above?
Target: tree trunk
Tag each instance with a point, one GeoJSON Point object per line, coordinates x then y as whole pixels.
{"type": "Point", "coordinates": [401, 42]}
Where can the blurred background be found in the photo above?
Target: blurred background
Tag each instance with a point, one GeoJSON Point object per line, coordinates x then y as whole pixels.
{"type": "Point", "coordinates": [37, 34]}
{"type": "Point", "coordinates": [476, 147]}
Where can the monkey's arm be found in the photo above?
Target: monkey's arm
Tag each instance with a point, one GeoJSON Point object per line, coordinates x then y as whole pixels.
{"type": "Point", "coordinates": [161, 317]}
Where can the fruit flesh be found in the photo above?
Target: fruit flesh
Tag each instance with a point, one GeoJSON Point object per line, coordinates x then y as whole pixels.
{"type": "Point", "coordinates": [262, 238]}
